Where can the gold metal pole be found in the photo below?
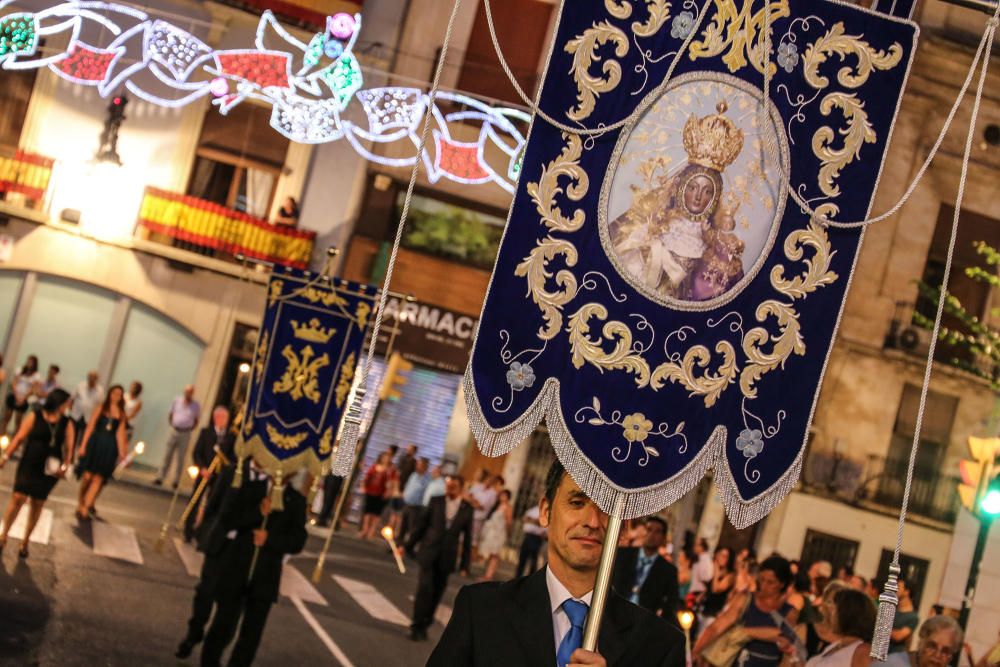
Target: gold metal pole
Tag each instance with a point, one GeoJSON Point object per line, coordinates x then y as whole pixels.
{"type": "Point", "coordinates": [197, 492]}
{"type": "Point", "coordinates": [165, 528]}
{"type": "Point", "coordinates": [604, 569]}
{"type": "Point", "coordinates": [256, 550]}
{"type": "Point", "coordinates": [341, 499]}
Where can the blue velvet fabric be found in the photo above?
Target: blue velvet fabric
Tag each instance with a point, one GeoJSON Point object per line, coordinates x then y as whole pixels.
{"type": "Point", "coordinates": [775, 422]}
{"type": "Point", "coordinates": [308, 346]}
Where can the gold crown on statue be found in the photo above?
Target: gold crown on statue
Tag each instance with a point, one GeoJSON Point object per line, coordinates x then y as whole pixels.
{"type": "Point", "coordinates": [312, 331]}
{"type": "Point", "coordinates": [713, 141]}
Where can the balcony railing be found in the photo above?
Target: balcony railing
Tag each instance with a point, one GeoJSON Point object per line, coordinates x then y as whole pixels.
{"type": "Point", "coordinates": [878, 483]}
{"type": "Point", "coordinates": [210, 229]}
{"type": "Point", "coordinates": [24, 178]}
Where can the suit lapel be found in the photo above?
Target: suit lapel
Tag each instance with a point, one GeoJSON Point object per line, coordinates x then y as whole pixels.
{"type": "Point", "coordinates": [532, 621]}
{"type": "Point", "coordinates": [613, 639]}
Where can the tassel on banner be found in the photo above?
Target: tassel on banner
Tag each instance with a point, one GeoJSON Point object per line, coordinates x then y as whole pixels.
{"type": "Point", "coordinates": [314, 489]}
{"type": "Point", "coordinates": [238, 476]}
{"type": "Point", "coordinates": [887, 603]}
{"type": "Point", "coordinates": [278, 493]}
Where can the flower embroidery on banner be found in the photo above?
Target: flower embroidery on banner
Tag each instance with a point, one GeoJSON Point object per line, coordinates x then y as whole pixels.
{"type": "Point", "coordinates": [682, 25]}
{"type": "Point", "coordinates": [637, 427]}
{"type": "Point", "coordinates": [750, 442]}
{"type": "Point", "coordinates": [520, 376]}
{"type": "Point", "coordinates": [788, 56]}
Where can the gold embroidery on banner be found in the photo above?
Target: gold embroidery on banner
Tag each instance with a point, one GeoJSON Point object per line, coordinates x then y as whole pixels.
{"type": "Point", "coordinates": [283, 440]}
{"type": "Point", "coordinates": [817, 267]}
{"type": "Point", "coordinates": [857, 133]}
{"type": "Point", "coordinates": [260, 356]}
{"type": "Point", "coordinates": [326, 297]}
{"type": "Point", "coordinates": [313, 331]}
{"type": "Point", "coordinates": [301, 375]}
{"type": "Point", "coordinates": [586, 350]}
{"type": "Point", "coordinates": [584, 51]}
{"type": "Point", "coordinates": [836, 42]}
{"type": "Point", "coordinates": [740, 30]}
{"type": "Point", "coordinates": [620, 9]}
{"type": "Point", "coordinates": [344, 382]}
{"type": "Point", "coordinates": [708, 384]}
{"type": "Point", "coordinates": [274, 291]}
{"type": "Point", "coordinates": [534, 268]}
{"type": "Point", "coordinates": [659, 13]}
{"type": "Point", "coordinates": [858, 130]}
{"type": "Point", "coordinates": [787, 342]}
{"type": "Point", "coordinates": [326, 442]}
{"type": "Point", "coordinates": [362, 312]}
{"type": "Point", "coordinates": [544, 192]}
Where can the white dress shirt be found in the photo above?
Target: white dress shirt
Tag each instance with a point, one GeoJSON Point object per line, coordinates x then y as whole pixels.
{"type": "Point", "coordinates": [451, 507]}
{"type": "Point", "coordinates": [557, 595]}
{"type": "Point", "coordinates": [702, 571]}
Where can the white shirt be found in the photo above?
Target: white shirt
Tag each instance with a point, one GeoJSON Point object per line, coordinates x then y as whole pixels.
{"type": "Point", "coordinates": [85, 400]}
{"type": "Point", "coordinates": [557, 595]}
{"type": "Point", "coordinates": [702, 571]}
{"type": "Point", "coordinates": [531, 526]}
{"type": "Point", "coordinates": [486, 497]}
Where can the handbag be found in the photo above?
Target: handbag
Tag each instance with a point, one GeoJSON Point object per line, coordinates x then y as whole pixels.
{"type": "Point", "coordinates": [725, 648]}
{"type": "Point", "coordinates": [53, 466]}
{"type": "Point", "coordinates": [723, 651]}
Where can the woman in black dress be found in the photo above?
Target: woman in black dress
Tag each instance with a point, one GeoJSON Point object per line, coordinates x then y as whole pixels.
{"type": "Point", "coordinates": [47, 435]}
{"type": "Point", "coordinates": [104, 445]}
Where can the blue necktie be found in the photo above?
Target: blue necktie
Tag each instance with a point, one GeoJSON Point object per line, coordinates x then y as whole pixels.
{"type": "Point", "coordinates": [577, 613]}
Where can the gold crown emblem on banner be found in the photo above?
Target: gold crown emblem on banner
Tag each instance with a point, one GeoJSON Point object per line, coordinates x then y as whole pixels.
{"type": "Point", "coordinates": [312, 331]}
{"type": "Point", "coordinates": [713, 141]}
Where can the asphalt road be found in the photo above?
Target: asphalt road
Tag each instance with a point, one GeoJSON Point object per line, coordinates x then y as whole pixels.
{"type": "Point", "coordinates": [101, 593]}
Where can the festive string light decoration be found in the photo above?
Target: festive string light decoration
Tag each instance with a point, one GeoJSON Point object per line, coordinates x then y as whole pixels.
{"type": "Point", "coordinates": [309, 85]}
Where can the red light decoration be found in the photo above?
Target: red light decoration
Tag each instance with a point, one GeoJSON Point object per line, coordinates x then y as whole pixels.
{"type": "Point", "coordinates": [460, 160]}
{"type": "Point", "coordinates": [264, 69]}
{"type": "Point", "coordinates": [87, 64]}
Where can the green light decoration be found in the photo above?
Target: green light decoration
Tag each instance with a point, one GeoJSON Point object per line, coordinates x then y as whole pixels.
{"type": "Point", "coordinates": [344, 79]}
{"type": "Point", "coordinates": [17, 35]}
{"type": "Point", "coordinates": [315, 50]}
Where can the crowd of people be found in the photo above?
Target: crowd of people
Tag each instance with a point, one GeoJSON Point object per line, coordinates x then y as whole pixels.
{"type": "Point", "coordinates": [86, 430]}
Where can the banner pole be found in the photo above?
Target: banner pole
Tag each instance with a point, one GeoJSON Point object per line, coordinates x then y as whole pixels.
{"type": "Point", "coordinates": [197, 492]}
{"type": "Point", "coordinates": [165, 528]}
{"type": "Point", "coordinates": [602, 584]}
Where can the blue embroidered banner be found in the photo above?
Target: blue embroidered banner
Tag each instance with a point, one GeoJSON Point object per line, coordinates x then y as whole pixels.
{"type": "Point", "coordinates": [658, 299]}
{"type": "Point", "coordinates": [307, 351]}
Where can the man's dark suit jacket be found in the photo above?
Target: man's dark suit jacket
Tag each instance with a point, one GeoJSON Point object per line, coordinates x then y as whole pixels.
{"type": "Point", "coordinates": [238, 509]}
{"type": "Point", "coordinates": [510, 623]}
{"type": "Point", "coordinates": [658, 593]}
{"type": "Point", "coordinates": [437, 541]}
{"type": "Point", "coordinates": [204, 446]}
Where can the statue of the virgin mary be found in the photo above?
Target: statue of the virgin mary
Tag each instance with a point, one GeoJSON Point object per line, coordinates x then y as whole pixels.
{"type": "Point", "coordinates": [669, 232]}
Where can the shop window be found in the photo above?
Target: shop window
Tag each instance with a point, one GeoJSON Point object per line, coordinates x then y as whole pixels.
{"type": "Point", "coordinates": [14, 97]}
{"type": "Point", "coordinates": [974, 295]}
{"type": "Point", "coordinates": [914, 571]}
{"type": "Point", "coordinates": [10, 290]}
{"type": "Point", "coordinates": [451, 231]}
{"type": "Point", "coordinates": [522, 27]}
{"type": "Point", "coordinates": [162, 355]}
{"type": "Point", "coordinates": [838, 551]}
{"type": "Point", "coordinates": [933, 492]}
{"type": "Point", "coordinates": [238, 160]}
{"type": "Point", "coordinates": [78, 349]}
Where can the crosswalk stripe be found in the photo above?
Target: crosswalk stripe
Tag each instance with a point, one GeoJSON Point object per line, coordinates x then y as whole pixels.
{"type": "Point", "coordinates": [372, 601]}
{"type": "Point", "coordinates": [116, 542]}
{"type": "Point", "coordinates": [293, 583]}
{"type": "Point", "coordinates": [43, 529]}
{"type": "Point", "coordinates": [322, 634]}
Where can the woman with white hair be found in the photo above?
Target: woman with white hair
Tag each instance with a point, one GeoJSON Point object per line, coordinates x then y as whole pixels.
{"type": "Point", "coordinates": [938, 640]}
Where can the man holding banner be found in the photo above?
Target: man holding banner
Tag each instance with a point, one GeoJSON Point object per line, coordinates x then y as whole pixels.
{"type": "Point", "coordinates": [504, 623]}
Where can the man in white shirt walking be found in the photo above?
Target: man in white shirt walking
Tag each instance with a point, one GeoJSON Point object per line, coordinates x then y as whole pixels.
{"type": "Point", "coordinates": [183, 418]}
{"type": "Point", "coordinates": [86, 397]}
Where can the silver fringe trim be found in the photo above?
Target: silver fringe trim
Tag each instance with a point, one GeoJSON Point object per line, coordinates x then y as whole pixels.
{"type": "Point", "coordinates": [887, 603]}
{"type": "Point", "coordinates": [638, 502]}
{"type": "Point", "coordinates": [349, 436]}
